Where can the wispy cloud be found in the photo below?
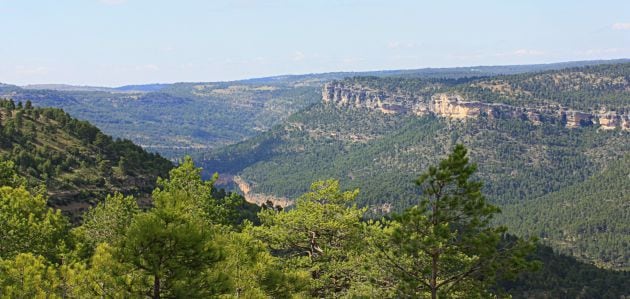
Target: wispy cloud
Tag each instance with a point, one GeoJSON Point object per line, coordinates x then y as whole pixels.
{"type": "Point", "coordinates": [147, 67]}
{"type": "Point", "coordinates": [350, 61]}
{"type": "Point", "coordinates": [527, 52]}
{"type": "Point", "coordinates": [167, 49]}
{"type": "Point", "coordinates": [298, 56]}
{"type": "Point", "coordinates": [401, 45]}
{"type": "Point", "coordinates": [620, 26]}
{"type": "Point", "coordinates": [516, 53]}
{"type": "Point", "coordinates": [31, 71]}
{"type": "Point", "coordinates": [601, 51]}
{"type": "Point", "coordinates": [112, 2]}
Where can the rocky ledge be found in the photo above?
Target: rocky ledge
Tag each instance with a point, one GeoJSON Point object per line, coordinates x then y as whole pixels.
{"type": "Point", "coordinates": [454, 106]}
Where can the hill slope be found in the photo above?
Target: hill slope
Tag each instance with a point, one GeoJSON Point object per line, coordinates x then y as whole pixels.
{"type": "Point", "coordinates": [378, 134]}
{"type": "Point", "coordinates": [75, 161]}
{"type": "Point", "coordinates": [587, 219]}
{"type": "Point", "coordinates": [175, 119]}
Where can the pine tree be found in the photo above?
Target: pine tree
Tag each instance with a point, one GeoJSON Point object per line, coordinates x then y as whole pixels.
{"type": "Point", "coordinates": [323, 235]}
{"type": "Point", "coordinates": [446, 245]}
{"type": "Point", "coordinates": [28, 225]}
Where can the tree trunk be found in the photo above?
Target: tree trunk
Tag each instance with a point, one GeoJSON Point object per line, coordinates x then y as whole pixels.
{"type": "Point", "coordinates": [156, 287]}
{"type": "Point", "coordinates": [434, 269]}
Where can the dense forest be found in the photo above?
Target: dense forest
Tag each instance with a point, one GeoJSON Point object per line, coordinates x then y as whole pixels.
{"type": "Point", "coordinates": [194, 118]}
{"type": "Point", "coordinates": [72, 159]}
{"type": "Point", "coordinates": [195, 243]}
{"type": "Point", "coordinates": [178, 118]}
{"type": "Point", "coordinates": [381, 205]}
{"type": "Point", "coordinates": [589, 218]}
{"type": "Point", "coordinates": [522, 162]}
{"type": "Point", "coordinates": [586, 88]}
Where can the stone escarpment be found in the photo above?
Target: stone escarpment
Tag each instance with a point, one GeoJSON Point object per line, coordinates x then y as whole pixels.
{"type": "Point", "coordinates": [259, 198]}
{"type": "Point", "coordinates": [454, 106]}
{"type": "Point", "coordinates": [362, 97]}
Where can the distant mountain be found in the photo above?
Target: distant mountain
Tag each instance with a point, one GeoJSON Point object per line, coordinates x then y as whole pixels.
{"type": "Point", "coordinates": [77, 163]}
{"type": "Point", "coordinates": [216, 113]}
{"type": "Point", "coordinates": [142, 88]}
{"type": "Point", "coordinates": [436, 73]}
{"type": "Point", "coordinates": [532, 134]}
{"type": "Point", "coordinates": [65, 87]}
{"type": "Point", "coordinates": [126, 88]}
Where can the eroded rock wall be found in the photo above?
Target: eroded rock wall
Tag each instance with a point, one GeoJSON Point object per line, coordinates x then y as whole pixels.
{"type": "Point", "coordinates": [454, 106]}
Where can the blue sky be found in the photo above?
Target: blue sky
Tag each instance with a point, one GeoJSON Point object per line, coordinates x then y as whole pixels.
{"type": "Point", "coordinates": [118, 42]}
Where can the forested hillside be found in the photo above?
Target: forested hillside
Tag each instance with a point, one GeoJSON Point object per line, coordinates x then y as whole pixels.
{"type": "Point", "coordinates": [589, 218]}
{"type": "Point", "coordinates": [589, 88]}
{"type": "Point", "coordinates": [192, 243]}
{"type": "Point", "coordinates": [379, 151]}
{"type": "Point", "coordinates": [74, 160]}
{"type": "Point", "coordinates": [188, 118]}
{"type": "Point", "coordinates": [180, 118]}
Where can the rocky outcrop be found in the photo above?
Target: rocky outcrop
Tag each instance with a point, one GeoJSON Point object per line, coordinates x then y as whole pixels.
{"type": "Point", "coordinates": [359, 97]}
{"type": "Point", "coordinates": [576, 119]}
{"type": "Point", "coordinates": [612, 120]}
{"type": "Point", "coordinates": [258, 198]}
{"type": "Point", "coordinates": [454, 106]}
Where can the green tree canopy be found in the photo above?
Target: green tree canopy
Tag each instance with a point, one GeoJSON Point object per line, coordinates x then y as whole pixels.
{"type": "Point", "coordinates": [28, 225]}
{"type": "Point", "coordinates": [322, 234]}
{"type": "Point", "coordinates": [446, 245]}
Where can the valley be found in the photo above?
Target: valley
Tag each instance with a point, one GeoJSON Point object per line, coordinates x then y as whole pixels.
{"type": "Point", "coordinates": [196, 118]}
{"type": "Point", "coordinates": [378, 134]}
{"type": "Point", "coordinates": [315, 149]}
{"type": "Point", "coordinates": [552, 155]}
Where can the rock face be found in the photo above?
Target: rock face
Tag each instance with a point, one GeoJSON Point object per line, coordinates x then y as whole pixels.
{"type": "Point", "coordinates": [454, 106]}
{"type": "Point", "coordinates": [360, 97]}
{"type": "Point", "coordinates": [258, 198]}
{"type": "Point", "coordinates": [612, 120]}
{"type": "Point", "coordinates": [577, 119]}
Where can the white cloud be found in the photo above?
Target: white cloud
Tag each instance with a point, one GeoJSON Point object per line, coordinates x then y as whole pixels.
{"type": "Point", "coordinates": [504, 55]}
{"type": "Point", "coordinates": [31, 71]}
{"type": "Point", "coordinates": [601, 51]}
{"type": "Point", "coordinates": [298, 56]}
{"type": "Point", "coordinates": [351, 60]}
{"type": "Point", "coordinates": [112, 2]}
{"type": "Point", "coordinates": [527, 52]}
{"type": "Point", "coordinates": [621, 26]}
{"type": "Point", "coordinates": [401, 45]}
{"type": "Point", "coordinates": [393, 45]}
{"type": "Point", "coordinates": [147, 67]}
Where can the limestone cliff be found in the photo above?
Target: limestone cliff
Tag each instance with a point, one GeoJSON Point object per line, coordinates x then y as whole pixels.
{"type": "Point", "coordinates": [259, 198]}
{"type": "Point", "coordinates": [455, 106]}
{"type": "Point", "coordinates": [361, 97]}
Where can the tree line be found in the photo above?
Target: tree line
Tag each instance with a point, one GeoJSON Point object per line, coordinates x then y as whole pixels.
{"type": "Point", "coordinates": [190, 244]}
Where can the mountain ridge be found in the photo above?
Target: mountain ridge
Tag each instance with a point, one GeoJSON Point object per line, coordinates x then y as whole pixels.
{"type": "Point", "coordinates": [380, 152]}
{"type": "Point", "coordinates": [455, 106]}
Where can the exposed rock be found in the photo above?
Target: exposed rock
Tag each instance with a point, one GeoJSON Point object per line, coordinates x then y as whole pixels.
{"type": "Point", "coordinates": [258, 198]}
{"type": "Point", "coordinates": [455, 106]}
{"type": "Point", "coordinates": [360, 97]}
{"type": "Point", "coordinates": [382, 209]}
{"type": "Point", "coordinates": [613, 120]}
{"type": "Point", "coordinates": [577, 119]}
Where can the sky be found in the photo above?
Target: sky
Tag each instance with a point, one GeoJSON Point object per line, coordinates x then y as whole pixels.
{"type": "Point", "coordinates": [120, 42]}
